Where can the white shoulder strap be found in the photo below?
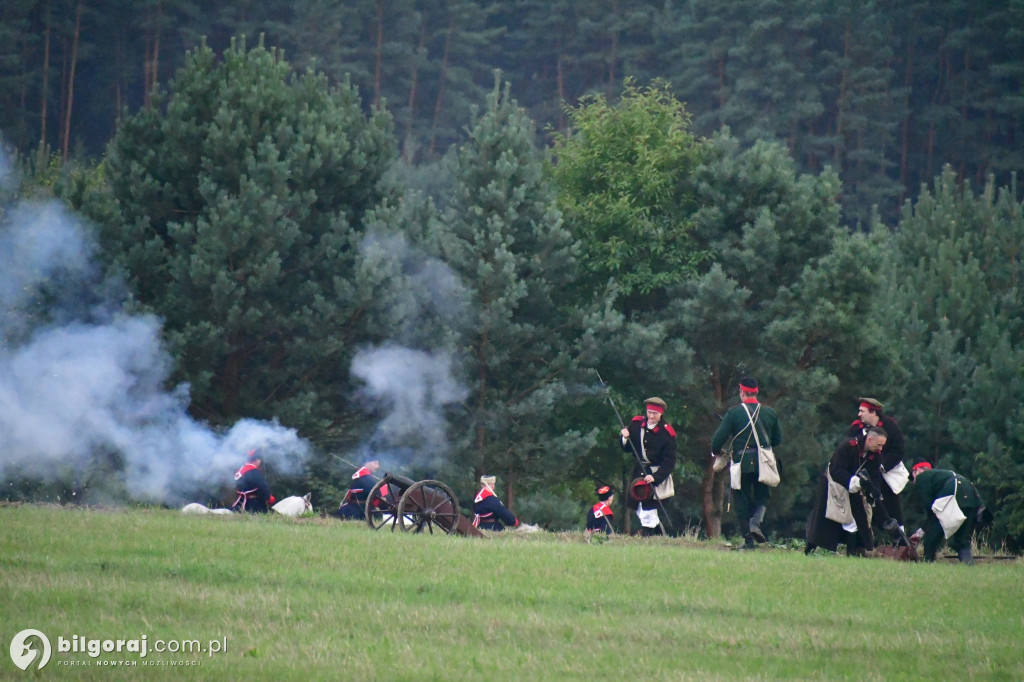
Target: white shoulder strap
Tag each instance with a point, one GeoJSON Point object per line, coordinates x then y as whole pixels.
{"type": "Point", "coordinates": [753, 419]}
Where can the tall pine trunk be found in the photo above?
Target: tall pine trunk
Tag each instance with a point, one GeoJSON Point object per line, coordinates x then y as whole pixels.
{"type": "Point", "coordinates": [378, 54]}
{"type": "Point", "coordinates": [440, 89]}
{"type": "Point", "coordinates": [412, 93]}
{"type": "Point", "coordinates": [151, 62]}
{"type": "Point", "coordinates": [44, 92]}
{"type": "Point", "coordinates": [65, 143]}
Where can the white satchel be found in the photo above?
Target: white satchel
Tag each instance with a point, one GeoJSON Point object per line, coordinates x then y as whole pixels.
{"type": "Point", "coordinates": [735, 475]}
{"type": "Point", "coordinates": [666, 488]}
{"type": "Point", "coordinates": [767, 467]}
{"type": "Point", "coordinates": [837, 504]}
{"type": "Point", "coordinates": [948, 512]}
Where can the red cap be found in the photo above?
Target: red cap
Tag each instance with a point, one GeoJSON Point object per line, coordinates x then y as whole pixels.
{"type": "Point", "coordinates": [921, 465]}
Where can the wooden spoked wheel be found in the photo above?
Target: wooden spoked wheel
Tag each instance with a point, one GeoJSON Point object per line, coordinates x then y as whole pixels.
{"type": "Point", "coordinates": [428, 507]}
{"type": "Point", "coordinates": [382, 505]}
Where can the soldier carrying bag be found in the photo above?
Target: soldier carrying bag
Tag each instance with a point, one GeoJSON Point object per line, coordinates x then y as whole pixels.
{"type": "Point", "coordinates": [767, 467]}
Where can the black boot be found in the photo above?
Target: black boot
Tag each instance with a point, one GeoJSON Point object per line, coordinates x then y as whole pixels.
{"type": "Point", "coordinates": [964, 555]}
{"type": "Point", "coordinates": [755, 523]}
{"type": "Point", "coordinates": [748, 543]}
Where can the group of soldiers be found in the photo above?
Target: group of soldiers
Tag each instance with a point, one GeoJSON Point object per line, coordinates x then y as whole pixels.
{"type": "Point", "coordinates": [858, 493]}
{"type": "Point", "coordinates": [253, 495]}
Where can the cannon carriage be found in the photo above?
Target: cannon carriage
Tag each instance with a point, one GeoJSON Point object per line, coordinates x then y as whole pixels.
{"type": "Point", "coordinates": [415, 507]}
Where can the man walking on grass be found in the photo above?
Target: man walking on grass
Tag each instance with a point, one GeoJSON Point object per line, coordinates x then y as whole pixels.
{"type": "Point", "coordinates": [752, 496]}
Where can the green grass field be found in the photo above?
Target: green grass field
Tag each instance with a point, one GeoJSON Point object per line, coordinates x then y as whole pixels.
{"type": "Point", "coordinates": [302, 599]}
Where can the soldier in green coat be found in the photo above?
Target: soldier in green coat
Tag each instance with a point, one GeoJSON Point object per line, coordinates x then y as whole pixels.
{"type": "Point", "coordinates": [932, 484]}
{"type": "Point", "coordinates": [752, 496]}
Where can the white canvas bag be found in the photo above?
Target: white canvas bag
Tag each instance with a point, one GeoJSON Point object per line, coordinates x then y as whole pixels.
{"type": "Point", "coordinates": [735, 472]}
{"type": "Point", "coordinates": [767, 468]}
{"type": "Point", "coordinates": [948, 512]}
{"type": "Point", "coordinates": [837, 504]}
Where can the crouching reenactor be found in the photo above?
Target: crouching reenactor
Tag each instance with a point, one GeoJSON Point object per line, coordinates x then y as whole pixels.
{"type": "Point", "coordinates": [489, 512]}
{"type": "Point", "coordinates": [940, 492]}
{"type": "Point", "coordinates": [842, 511]}
{"type": "Point", "coordinates": [251, 485]}
{"type": "Point", "coordinates": [599, 518]}
{"type": "Point", "coordinates": [363, 480]}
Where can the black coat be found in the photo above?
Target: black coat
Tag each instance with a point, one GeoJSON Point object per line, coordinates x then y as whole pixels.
{"type": "Point", "coordinates": [491, 514]}
{"type": "Point", "coordinates": [849, 458]}
{"type": "Point", "coordinates": [253, 491]}
{"type": "Point", "coordinates": [893, 453]}
{"type": "Point", "coordinates": [659, 445]}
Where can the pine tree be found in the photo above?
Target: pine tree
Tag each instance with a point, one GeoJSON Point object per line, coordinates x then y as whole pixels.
{"type": "Point", "coordinates": [955, 300]}
{"type": "Point", "coordinates": [239, 207]}
{"type": "Point", "coordinates": [783, 296]}
{"type": "Point", "coordinates": [504, 237]}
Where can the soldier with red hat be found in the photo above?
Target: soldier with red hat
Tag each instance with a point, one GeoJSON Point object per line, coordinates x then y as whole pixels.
{"type": "Point", "coordinates": [752, 496]}
{"type": "Point", "coordinates": [894, 472]}
{"type": "Point", "coordinates": [599, 517]}
{"type": "Point", "coordinates": [652, 441]}
{"type": "Point", "coordinates": [931, 486]}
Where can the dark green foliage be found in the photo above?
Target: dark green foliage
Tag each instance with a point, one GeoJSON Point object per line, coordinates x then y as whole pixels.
{"type": "Point", "coordinates": [504, 238]}
{"type": "Point", "coordinates": [784, 298]}
{"type": "Point", "coordinates": [954, 296]}
{"type": "Point", "coordinates": [239, 206]}
{"type": "Point", "coordinates": [884, 93]}
{"type": "Point", "coordinates": [625, 179]}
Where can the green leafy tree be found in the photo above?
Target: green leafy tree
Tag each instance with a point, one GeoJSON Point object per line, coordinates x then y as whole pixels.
{"type": "Point", "coordinates": [624, 186]}
{"type": "Point", "coordinates": [239, 200]}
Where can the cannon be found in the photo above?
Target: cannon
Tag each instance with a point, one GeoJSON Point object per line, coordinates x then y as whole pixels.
{"type": "Point", "coordinates": [415, 506]}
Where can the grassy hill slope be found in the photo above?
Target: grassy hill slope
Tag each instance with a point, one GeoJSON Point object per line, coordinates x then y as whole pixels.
{"type": "Point", "coordinates": [301, 599]}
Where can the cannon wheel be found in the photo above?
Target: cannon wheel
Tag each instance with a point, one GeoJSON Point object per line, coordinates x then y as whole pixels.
{"type": "Point", "coordinates": [428, 505]}
{"type": "Point", "coordinates": [381, 509]}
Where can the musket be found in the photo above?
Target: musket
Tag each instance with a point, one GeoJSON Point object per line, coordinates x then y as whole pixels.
{"type": "Point", "coordinates": [636, 455]}
{"type": "Point", "coordinates": [345, 461]}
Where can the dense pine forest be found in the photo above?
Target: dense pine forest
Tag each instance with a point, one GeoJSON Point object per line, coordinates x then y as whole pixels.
{"type": "Point", "coordinates": [885, 93]}
{"type": "Point", "coordinates": [502, 199]}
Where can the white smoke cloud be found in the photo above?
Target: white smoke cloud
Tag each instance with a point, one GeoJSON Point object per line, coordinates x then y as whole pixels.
{"type": "Point", "coordinates": [410, 388]}
{"type": "Point", "coordinates": [79, 377]}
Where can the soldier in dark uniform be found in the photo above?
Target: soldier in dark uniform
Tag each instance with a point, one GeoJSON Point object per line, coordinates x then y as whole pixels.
{"type": "Point", "coordinates": [753, 496]}
{"type": "Point", "coordinates": [489, 512]}
{"type": "Point", "coordinates": [869, 413]}
{"type": "Point", "coordinates": [932, 484]}
{"type": "Point", "coordinates": [854, 465]}
{"type": "Point", "coordinates": [599, 517]}
{"type": "Point", "coordinates": [363, 480]}
{"type": "Point", "coordinates": [653, 441]}
{"type": "Point", "coordinates": [251, 485]}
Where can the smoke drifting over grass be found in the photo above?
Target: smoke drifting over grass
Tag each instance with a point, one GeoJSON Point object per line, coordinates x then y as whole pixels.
{"type": "Point", "coordinates": [81, 380]}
